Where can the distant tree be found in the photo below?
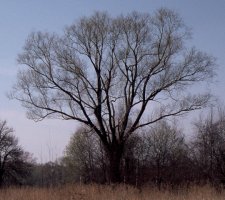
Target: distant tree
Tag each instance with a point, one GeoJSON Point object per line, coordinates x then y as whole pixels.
{"type": "Point", "coordinates": [208, 147]}
{"type": "Point", "coordinates": [47, 175]}
{"type": "Point", "coordinates": [110, 73]}
{"type": "Point", "coordinates": [166, 148]}
{"type": "Point", "coordinates": [15, 163]}
{"type": "Point", "coordinates": [85, 157]}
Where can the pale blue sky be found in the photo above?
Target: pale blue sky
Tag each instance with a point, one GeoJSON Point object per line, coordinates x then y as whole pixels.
{"type": "Point", "coordinates": [47, 139]}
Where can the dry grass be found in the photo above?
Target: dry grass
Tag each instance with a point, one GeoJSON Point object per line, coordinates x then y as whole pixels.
{"type": "Point", "coordinates": [99, 192]}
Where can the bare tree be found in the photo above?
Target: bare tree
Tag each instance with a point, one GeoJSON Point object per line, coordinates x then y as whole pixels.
{"type": "Point", "coordinates": [83, 156]}
{"type": "Point", "coordinates": [15, 163]}
{"type": "Point", "coordinates": [111, 74]}
{"type": "Point", "coordinates": [208, 146]}
{"type": "Point", "coordinates": [166, 147]}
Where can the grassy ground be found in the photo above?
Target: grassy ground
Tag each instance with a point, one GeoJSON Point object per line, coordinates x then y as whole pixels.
{"type": "Point", "coordinates": [98, 192]}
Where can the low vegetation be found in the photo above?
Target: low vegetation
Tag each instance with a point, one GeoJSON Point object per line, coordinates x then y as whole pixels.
{"type": "Point", "coordinates": [120, 192]}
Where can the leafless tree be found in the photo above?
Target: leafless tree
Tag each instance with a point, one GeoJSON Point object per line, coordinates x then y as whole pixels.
{"type": "Point", "coordinates": [111, 74]}
{"type": "Point", "coordinates": [15, 163]}
{"type": "Point", "coordinates": [83, 156]}
{"type": "Point", "coordinates": [166, 147]}
{"type": "Point", "coordinates": [208, 146]}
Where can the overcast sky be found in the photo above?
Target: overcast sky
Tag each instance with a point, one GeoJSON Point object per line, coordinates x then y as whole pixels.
{"type": "Point", "coordinates": [47, 139]}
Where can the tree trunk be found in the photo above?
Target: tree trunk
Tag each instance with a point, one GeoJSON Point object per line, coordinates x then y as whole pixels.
{"type": "Point", "coordinates": [1, 178]}
{"type": "Point", "coordinates": [115, 155]}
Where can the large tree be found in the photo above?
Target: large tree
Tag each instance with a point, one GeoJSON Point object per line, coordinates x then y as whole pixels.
{"type": "Point", "coordinates": [112, 74]}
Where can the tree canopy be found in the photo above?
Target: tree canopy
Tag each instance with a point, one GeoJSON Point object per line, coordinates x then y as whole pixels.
{"type": "Point", "coordinates": [112, 74]}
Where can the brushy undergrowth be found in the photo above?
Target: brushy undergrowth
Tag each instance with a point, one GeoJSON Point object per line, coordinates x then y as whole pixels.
{"type": "Point", "coordinates": [101, 192]}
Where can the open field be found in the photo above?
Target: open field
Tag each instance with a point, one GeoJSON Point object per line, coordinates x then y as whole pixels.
{"type": "Point", "coordinates": [99, 192]}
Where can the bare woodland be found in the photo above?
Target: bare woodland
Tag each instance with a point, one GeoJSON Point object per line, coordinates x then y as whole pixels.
{"type": "Point", "coordinates": [125, 79]}
{"type": "Point", "coordinates": [159, 157]}
{"type": "Point", "coordinates": [114, 75]}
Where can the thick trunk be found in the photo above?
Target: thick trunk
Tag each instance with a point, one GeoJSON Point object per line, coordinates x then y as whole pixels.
{"type": "Point", "coordinates": [114, 168]}
{"type": "Point", "coordinates": [115, 156]}
{"type": "Point", "coordinates": [1, 178]}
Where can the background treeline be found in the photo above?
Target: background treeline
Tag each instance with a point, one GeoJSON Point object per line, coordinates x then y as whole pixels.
{"type": "Point", "coordinates": [160, 155]}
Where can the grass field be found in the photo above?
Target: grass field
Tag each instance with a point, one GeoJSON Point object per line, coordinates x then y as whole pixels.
{"type": "Point", "coordinates": [99, 192]}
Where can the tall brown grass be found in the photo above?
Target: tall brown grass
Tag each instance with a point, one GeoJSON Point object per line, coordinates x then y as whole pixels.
{"type": "Point", "coordinates": [100, 192]}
